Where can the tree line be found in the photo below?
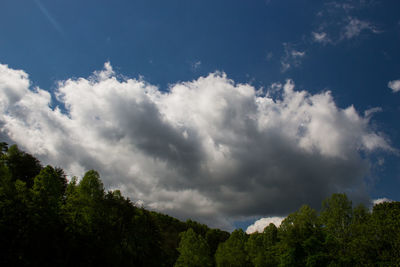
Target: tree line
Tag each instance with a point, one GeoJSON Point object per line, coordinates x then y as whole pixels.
{"type": "Point", "coordinates": [46, 220]}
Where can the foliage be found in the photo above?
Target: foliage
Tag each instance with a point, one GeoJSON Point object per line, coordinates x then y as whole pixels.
{"type": "Point", "coordinates": [22, 166]}
{"type": "Point", "coordinates": [194, 251]}
{"type": "Point", "coordinates": [386, 224]}
{"type": "Point", "coordinates": [47, 221]}
{"type": "Point", "coordinates": [232, 252]}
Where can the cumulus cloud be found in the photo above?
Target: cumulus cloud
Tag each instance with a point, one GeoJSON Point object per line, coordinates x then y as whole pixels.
{"type": "Point", "coordinates": [394, 85]}
{"type": "Point", "coordinates": [259, 225]}
{"type": "Point", "coordinates": [207, 149]}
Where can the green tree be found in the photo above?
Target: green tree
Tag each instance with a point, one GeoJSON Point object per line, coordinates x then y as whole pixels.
{"type": "Point", "coordinates": [386, 224]}
{"type": "Point", "coordinates": [232, 252]}
{"type": "Point", "coordinates": [47, 192]}
{"type": "Point", "coordinates": [255, 249]}
{"type": "Point", "coordinates": [23, 166]}
{"type": "Point", "coordinates": [362, 238]}
{"type": "Point", "coordinates": [197, 227]}
{"type": "Point", "coordinates": [214, 237]}
{"type": "Point", "coordinates": [170, 228]}
{"type": "Point", "coordinates": [84, 216]}
{"type": "Point", "coordinates": [47, 236]}
{"type": "Point", "coordinates": [336, 217]}
{"type": "Point", "coordinates": [3, 148]}
{"type": "Point", "coordinates": [301, 239]}
{"type": "Point", "coordinates": [194, 251]}
{"type": "Point", "coordinates": [270, 240]}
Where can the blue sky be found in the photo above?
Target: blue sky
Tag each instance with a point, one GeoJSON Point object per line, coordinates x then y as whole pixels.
{"type": "Point", "coordinates": [350, 48]}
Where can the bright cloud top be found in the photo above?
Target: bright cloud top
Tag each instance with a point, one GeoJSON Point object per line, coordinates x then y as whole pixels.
{"type": "Point", "coordinates": [207, 149]}
{"type": "Point", "coordinates": [259, 225]}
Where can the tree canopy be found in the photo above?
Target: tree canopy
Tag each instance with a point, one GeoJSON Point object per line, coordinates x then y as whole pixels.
{"type": "Point", "coordinates": [46, 220]}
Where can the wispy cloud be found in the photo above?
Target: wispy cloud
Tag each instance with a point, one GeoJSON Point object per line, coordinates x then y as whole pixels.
{"type": "Point", "coordinates": [49, 17]}
{"type": "Point", "coordinates": [291, 57]}
{"type": "Point", "coordinates": [321, 37]}
{"type": "Point", "coordinates": [196, 65]}
{"type": "Point", "coordinates": [355, 26]}
{"type": "Point", "coordinates": [338, 22]}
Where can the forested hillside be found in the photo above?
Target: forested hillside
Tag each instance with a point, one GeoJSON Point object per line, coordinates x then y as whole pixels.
{"type": "Point", "coordinates": [47, 221]}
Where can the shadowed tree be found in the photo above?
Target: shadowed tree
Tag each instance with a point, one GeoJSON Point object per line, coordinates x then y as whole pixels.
{"type": "Point", "coordinates": [194, 251]}
{"type": "Point", "coordinates": [261, 247]}
{"type": "Point", "coordinates": [255, 249]}
{"type": "Point", "coordinates": [84, 216]}
{"type": "Point", "coordinates": [270, 241]}
{"type": "Point", "coordinates": [214, 237]}
{"type": "Point", "coordinates": [23, 166]}
{"type": "Point", "coordinates": [3, 148]}
{"type": "Point", "coordinates": [336, 217]}
{"type": "Point", "coordinates": [386, 224]}
{"type": "Point", "coordinates": [300, 237]}
{"type": "Point", "coordinates": [232, 252]}
{"type": "Point", "coordinates": [362, 238]}
{"type": "Point", "coordinates": [48, 229]}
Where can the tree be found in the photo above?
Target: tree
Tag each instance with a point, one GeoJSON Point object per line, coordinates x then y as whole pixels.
{"type": "Point", "coordinates": [194, 251]}
{"type": "Point", "coordinates": [386, 224]}
{"type": "Point", "coordinates": [23, 166]}
{"type": "Point", "coordinates": [232, 252]}
{"type": "Point", "coordinates": [270, 239]}
{"type": "Point", "coordinates": [336, 217]}
{"type": "Point", "coordinates": [84, 216]}
{"type": "Point", "coordinates": [301, 239]}
{"type": "Point", "coordinates": [199, 228]}
{"type": "Point", "coordinates": [47, 236]}
{"type": "Point", "coordinates": [3, 148]}
{"type": "Point", "coordinates": [256, 250]}
{"type": "Point", "coordinates": [47, 191]}
{"type": "Point", "coordinates": [362, 252]}
{"type": "Point", "coordinates": [214, 237]}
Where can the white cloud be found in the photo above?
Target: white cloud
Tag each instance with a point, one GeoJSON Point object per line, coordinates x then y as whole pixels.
{"type": "Point", "coordinates": [321, 37]}
{"type": "Point", "coordinates": [338, 21]}
{"type": "Point", "coordinates": [394, 85]}
{"type": "Point", "coordinates": [380, 200]}
{"type": "Point", "coordinates": [269, 56]}
{"type": "Point", "coordinates": [208, 149]}
{"type": "Point", "coordinates": [298, 54]}
{"type": "Point", "coordinates": [369, 112]}
{"type": "Point", "coordinates": [259, 225]}
{"type": "Point", "coordinates": [356, 26]}
{"type": "Point", "coordinates": [196, 65]}
{"type": "Point", "coordinates": [291, 57]}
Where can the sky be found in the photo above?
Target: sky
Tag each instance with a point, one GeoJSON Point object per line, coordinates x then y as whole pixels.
{"type": "Point", "coordinates": [232, 113]}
